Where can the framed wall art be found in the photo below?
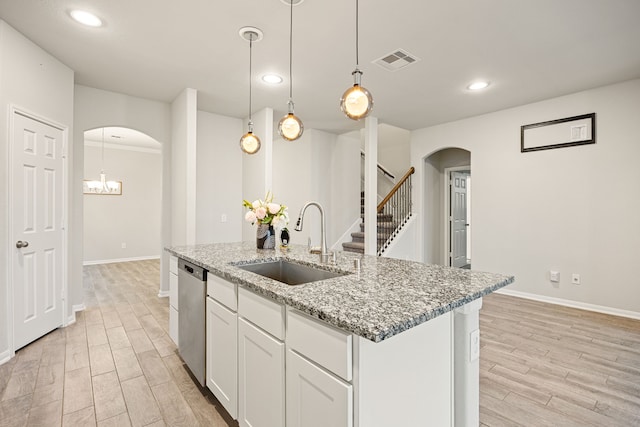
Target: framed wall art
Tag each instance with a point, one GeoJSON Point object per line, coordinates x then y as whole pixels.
{"type": "Point", "coordinates": [568, 132]}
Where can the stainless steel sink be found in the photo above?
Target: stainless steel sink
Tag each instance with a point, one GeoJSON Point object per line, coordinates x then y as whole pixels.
{"type": "Point", "coordinates": [290, 273]}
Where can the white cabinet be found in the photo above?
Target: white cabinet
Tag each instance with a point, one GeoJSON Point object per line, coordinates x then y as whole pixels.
{"type": "Point", "coordinates": [319, 368]}
{"type": "Point", "coordinates": [173, 298]}
{"type": "Point", "coordinates": [315, 397]}
{"type": "Point", "coordinates": [261, 377]}
{"type": "Point", "coordinates": [222, 356]}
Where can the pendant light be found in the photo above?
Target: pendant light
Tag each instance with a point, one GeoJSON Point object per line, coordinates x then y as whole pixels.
{"type": "Point", "coordinates": [103, 186]}
{"type": "Point", "coordinates": [290, 126]}
{"type": "Point", "coordinates": [250, 143]}
{"type": "Point", "coordinates": [356, 102]}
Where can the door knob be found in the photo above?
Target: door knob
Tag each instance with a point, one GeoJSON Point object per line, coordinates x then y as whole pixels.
{"type": "Point", "coordinates": [21, 244]}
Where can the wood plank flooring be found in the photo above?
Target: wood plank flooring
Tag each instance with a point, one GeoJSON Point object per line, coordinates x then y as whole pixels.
{"type": "Point", "coordinates": [540, 364]}
{"type": "Point", "coordinates": [116, 366]}
{"type": "Point", "coordinates": [548, 365]}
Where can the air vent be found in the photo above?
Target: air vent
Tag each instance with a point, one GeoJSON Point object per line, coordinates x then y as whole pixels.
{"type": "Point", "coordinates": [396, 60]}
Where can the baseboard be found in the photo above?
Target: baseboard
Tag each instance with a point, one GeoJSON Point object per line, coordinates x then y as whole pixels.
{"type": "Point", "coordinates": [78, 307]}
{"type": "Point", "coordinates": [112, 261]}
{"type": "Point", "coordinates": [163, 294]}
{"type": "Point", "coordinates": [574, 304]}
{"type": "Point", "coordinates": [5, 356]}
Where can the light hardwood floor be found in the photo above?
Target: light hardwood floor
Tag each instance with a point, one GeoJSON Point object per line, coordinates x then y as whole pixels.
{"type": "Point", "coordinates": [116, 366]}
{"type": "Point", "coordinates": [540, 364]}
{"type": "Point", "coordinates": [548, 365]}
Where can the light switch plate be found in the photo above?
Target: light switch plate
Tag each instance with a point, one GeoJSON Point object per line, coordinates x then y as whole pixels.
{"type": "Point", "coordinates": [554, 276]}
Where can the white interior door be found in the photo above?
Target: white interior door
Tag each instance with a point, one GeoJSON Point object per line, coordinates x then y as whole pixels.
{"type": "Point", "coordinates": [458, 214]}
{"type": "Point", "coordinates": [36, 203]}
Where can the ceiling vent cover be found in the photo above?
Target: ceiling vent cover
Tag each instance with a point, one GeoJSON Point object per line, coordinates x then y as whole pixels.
{"type": "Point", "coordinates": [396, 60]}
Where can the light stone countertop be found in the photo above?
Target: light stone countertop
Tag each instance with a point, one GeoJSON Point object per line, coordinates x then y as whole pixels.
{"type": "Point", "coordinates": [387, 297]}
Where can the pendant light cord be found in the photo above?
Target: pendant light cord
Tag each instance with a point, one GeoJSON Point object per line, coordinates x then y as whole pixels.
{"type": "Point", "coordinates": [357, 38]}
{"type": "Point", "coordinates": [291, 51]}
{"type": "Point", "coordinates": [102, 165]}
{"type": "Point", "coordinates": [250, 48]}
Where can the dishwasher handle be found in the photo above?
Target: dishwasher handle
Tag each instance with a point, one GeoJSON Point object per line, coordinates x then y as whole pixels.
{"type": "Point", "coordinates": [192, 270]}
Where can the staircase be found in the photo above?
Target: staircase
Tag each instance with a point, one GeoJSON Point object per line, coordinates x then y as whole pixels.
{"type": "Point", "coordinates": [393, 212]}
{"type": "Point", "coordinates": [385, 222]}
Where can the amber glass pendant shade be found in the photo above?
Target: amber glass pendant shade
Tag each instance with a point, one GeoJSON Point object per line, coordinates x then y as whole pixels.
{"type": "Point", "coordinates": [250, 143]}
{"type": "Point", "coordinates": [290, 127]}
{"type": "Point", "coordinates": [356, 102]}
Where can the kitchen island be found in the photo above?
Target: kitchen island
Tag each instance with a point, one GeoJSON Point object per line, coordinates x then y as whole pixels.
{"type": "Point", "coordinates": [397, 339]}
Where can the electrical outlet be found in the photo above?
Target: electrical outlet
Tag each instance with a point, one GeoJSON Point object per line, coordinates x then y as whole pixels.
{"type": "Point", "coordinates": [223, 218]}
{"type": "Point", "coordinates": [575, 278]}
{"type": "Point", "coordinates": [554, 276]}
{"type": "Point", "coordinates": [474, 345]}
{"type": "Point", "coordinates": [123, 245]}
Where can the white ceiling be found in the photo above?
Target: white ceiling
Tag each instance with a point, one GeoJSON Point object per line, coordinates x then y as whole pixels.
{"type": "Point", "coordinates": [529, 50]}
{"type": "Point", "coordinates": [118, 137]}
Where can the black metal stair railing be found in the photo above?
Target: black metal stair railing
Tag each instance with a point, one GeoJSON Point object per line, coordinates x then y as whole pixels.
{"type": "Point", "coordinates": [394, 211]}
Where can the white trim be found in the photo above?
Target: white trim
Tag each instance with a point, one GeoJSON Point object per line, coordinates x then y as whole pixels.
{"type": "Point", "coordinates": [74, 309]}
{"type": "Point", "coordinates": [111, 261]}
{"type": "Point", "coordinates": [163, 294]}
{"type": "Point", "coordinates": [123, 147]}
{"type": "Point", "coordinates": [445, 209]}
{"type": "Point", "coordinates": [78, 307]}
{"type": "Point", "coordinates": [574, 304]}
{"type": "Point", "coordinates": [5, 356]}
{"type": "Point", "coordinates": [346, 237]}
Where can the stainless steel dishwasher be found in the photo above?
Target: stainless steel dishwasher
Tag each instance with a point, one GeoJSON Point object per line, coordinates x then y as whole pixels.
{"type": "Point", "coordinates": [192, 290]}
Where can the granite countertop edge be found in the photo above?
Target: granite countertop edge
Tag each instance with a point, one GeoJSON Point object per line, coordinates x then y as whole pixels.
{"type": "Point", "coordinates": [287, 294]}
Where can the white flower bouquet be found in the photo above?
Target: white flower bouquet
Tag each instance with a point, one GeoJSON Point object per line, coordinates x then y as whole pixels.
{"type": "Point", "coordinates": [266, 212]}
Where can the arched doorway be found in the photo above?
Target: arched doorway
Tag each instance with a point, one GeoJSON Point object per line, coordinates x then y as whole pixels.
{"type": "Point", "coordinates": [123, 224]}
{"type": "Point", "coordinates": [447, 208]}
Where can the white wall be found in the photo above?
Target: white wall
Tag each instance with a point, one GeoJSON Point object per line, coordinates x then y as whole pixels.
{"type": "Point", "coordinates": [219, 179]}
{"type": "Point", "coordinates": [320, 167]}
{"type": "Point", "coordinates": [132, 218]}
{"type": "Point", "coordinates": [31, 79]}
{"type": "Point", "coordinates": [405, 244]}
{"type": "Point", "coordinates": [569, 209]}
{"type": "Point", "coordinates": [94, 108]}
{"type": "Point", "coordinates": [394, 149]}
{"type": "Point", "coordinates": [257, 168]}
{"type": "Point", "coordinates": [345, 186]}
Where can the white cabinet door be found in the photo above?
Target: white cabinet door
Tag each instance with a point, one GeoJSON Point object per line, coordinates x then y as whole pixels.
{"type": "Point", "coordinates": [222, 357]}
{"type": "Point", "coordinates": [261, 377]}
{"type": "Point", "coordinates": [316, 398]}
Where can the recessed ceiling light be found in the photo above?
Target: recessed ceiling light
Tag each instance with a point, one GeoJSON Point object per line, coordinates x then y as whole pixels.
{"type": "Point", "coordinates": [272, 79]}
{"type": "Point", "coordinates": [478, 85]}
{"type": "Point", "coordinates": [86, 18]}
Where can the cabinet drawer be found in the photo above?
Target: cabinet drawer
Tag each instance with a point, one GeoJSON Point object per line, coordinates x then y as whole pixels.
{"type": "Point", "coordinates": [262, 312]}
{"type": "Point", "coordinates": [327, 346]}
{"type": "Point", "coordinates": [223, 291]}
{"type": "Point", "coordinates": [173, 264]}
